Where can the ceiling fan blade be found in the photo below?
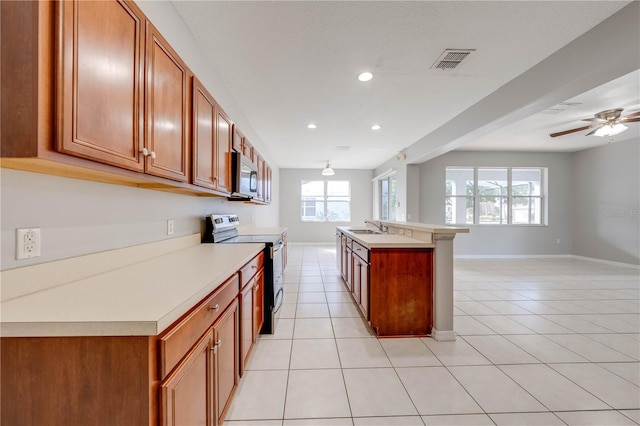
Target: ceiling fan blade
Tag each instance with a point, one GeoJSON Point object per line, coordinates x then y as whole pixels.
{"type": "Point", "coordinates": [629, 119]}
{"type": "Point", "coordinates": [566, 132]}
{"type": "Point", "coordinates": [633, 115]}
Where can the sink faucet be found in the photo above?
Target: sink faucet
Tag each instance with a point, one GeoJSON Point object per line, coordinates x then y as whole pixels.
{"type": "Point", "coordinates": [378, 225]}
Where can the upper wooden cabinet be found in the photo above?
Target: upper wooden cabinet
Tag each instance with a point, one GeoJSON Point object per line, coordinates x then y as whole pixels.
{"type": "Point", "coordinates": [122, 92]}
{"type": "Point", "coordinates": [238, 140]}
{"type": "Point", "coordinates": [166, 110]}
{"type": "Point", "coordinates": [211, 142]}
{"type": "Point", "coordinates": [224, 137]}
{"type": "Point", "coordinates": [100, 86]}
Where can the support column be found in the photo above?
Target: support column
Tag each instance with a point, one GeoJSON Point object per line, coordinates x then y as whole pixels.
{"type": "Point", "coordinates": [443, 288]}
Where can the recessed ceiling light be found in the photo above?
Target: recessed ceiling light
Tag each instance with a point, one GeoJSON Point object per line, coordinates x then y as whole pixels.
{"type": "Point", "coordinates": [375, 127]}
{"type": "Point", "coordinates": [365, 76]}
{"type": "Point", "coordinates": [311, 126]}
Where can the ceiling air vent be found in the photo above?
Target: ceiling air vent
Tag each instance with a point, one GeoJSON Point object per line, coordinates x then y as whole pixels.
{"type": "Point", "coordinates": [451, 58]}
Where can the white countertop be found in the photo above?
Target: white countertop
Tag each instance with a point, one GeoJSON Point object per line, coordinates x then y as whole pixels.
{"type": "Point", "coordinates": [142, 298]}
{"type": "Point", "coordinates": [373, 241]}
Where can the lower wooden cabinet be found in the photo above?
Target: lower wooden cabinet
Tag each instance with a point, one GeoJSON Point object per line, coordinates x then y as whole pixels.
{"type": "Point", "coordinates": [187, 394]}
{"type": "Point", "coordinates": [251, 311]}
{"type": "Point", "coordinates": [199, 390]}
{"type": "Point", "coordinates": [226, 372]}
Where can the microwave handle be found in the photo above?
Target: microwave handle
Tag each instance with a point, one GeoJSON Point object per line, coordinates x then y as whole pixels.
{"type": "Point", "coordinates": [253, 181]}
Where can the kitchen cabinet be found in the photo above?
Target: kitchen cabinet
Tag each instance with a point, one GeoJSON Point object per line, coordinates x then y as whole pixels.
{"type": "Point", "coordinates": [167, 111]}
{"type": "Point", "coordinates": [212, 134]}
{"type": "Point", "coordinates": [260, 165]}
{"type": "Point", "coordinates": [101, 104]}
{"type": "Point", "coordinates": [238, 140]}
{"type": "Point", "coordinates": [113, 63]}
{"type": "Point", "coordinates": [267, 183]}
{"type": "Point", "coordinates": [187, 395]}
{"type": "Point", "coordinates": [199, 360]}
{"type": "Point", "coordinates": [251, 306]}
{"type": "Point", "coordinates": [226, 360]}
{"type": "Point", "coordinates": [224, 136]}
{"type": "Point", "coordinates": [360, 259]}
{"type": "Point", "coordinates": [392, 286]}
{"type": "Point", "coordinates": [98, 94]}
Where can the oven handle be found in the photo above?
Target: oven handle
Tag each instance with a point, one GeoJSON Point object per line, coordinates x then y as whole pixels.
{"type": "Point", "coordinates": [279, 296]}
{"type": "Point", "coordinates": [276, 247]}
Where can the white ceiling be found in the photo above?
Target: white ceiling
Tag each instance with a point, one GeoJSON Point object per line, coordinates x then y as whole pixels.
{"type": "Point", "coordinates": [290, 63]}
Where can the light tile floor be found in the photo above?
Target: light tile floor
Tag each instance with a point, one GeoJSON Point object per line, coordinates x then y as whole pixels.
{"type": "Point", "coordinates": [540, 342]}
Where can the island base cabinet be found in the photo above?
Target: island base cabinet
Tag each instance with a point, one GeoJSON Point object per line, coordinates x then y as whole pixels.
{"type": "Point", "coordinates": [401, 291]}
{"type": "Point", "coordinates": [62, 381]}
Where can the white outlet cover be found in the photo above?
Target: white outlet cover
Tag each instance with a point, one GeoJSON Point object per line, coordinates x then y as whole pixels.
{"type": "Point", "coordinates": [170, 227]}
{"type": "Point", "coordinates": [27, 243]}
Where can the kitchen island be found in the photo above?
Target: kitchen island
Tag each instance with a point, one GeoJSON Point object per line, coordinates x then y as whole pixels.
{"type": "Point", "coordinates": [146, 335]}
{"type": "Point", "coordinates": [401, 276]}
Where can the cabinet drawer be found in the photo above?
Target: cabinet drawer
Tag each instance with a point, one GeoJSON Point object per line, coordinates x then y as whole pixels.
{"type": "Point", "coordinates": [361, 251]}
{"type": "Point", "coordinates": [175, 344]}
{"type": "Point", "coordinates": [249, 270]}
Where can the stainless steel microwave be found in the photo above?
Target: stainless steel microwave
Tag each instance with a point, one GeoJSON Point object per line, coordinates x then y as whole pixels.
{"type": "Point", "coordinates": [244, 177]}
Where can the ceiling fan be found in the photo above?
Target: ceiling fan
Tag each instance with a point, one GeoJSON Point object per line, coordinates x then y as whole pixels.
{"type": "Point", "coordinates": [605, 123]}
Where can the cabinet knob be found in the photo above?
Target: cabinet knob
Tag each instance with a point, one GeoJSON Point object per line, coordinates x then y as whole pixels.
{"type": "Point", "coordinates": [148, 153]}
{"type": "Point", "coordinates": [214, 308]}
{"type": "Point", "coordinates": [219, 343]}
{"type": "Point", "coordinates": [256, 288]}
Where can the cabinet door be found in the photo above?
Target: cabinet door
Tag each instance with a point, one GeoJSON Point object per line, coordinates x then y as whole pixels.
{"type": "Point", "coordinates": [238, 140]}
{"type": "Point", "coordinates": [258, 304]}
{"type": "Point", "coordinates": [349, 262]}
{"type": "Point", "coordinates": [267, 185]}
{"type": "Point", "coordinates": [260, 164]}
{"type": "Point", "coordinates": [226, 359]}
{"type": "Point", "coordinates": [166, 110]}
{"type": "Point", "coordinates": [246, 324]}
{"type": "Point", "coordinates": [224, 137]}
{"type": "Point", "coordinates": [364, 290]}
{"type": "Point", "coordinates": [99, 91]}
{"type": "Point", "coordinates": [186, 396]}
{"type": "Point", "coordinates": [204, 117]}
{"type": "Point", "coordinates": [357, 277]}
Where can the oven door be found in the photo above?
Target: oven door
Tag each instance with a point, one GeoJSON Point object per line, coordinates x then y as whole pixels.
{"type": "Point", "coordinates": [278, 280]}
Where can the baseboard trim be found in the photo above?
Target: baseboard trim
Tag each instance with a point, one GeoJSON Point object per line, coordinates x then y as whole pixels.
{"type": "Point", "coordinates": [607, 262]}
{"type": "Point", "coordinates": [443, 335]}
{"type": "Point", "coordinates": [545, 256]}
{"type": "Point", "coordinates": [513, 256]}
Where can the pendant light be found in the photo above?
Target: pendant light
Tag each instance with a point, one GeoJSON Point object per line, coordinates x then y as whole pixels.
{"type": "Point", "coordinates": [328, 171]}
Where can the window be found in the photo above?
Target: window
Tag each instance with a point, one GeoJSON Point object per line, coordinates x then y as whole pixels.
{"type": "Point", "coordinates": [325, 201]}
{"type": "Point", "coordinates": [494, 195]}
{"type": "Point", "coordinates": [388, 200]}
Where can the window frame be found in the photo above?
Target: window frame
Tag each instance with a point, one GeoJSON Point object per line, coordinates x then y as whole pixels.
{"type": "Point", "coordinates": [324, 200]}
{"type": "Point", "coordinates": [508, 199]}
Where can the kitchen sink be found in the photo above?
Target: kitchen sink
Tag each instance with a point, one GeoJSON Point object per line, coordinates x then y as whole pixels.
{"type": "Point", "coordinates": [364, 231]}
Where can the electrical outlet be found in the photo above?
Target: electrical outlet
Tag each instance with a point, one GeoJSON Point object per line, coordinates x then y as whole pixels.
{"type": "Point", "coordinates": [27, 243]}
{"type": "Point", "coordinates": [170, 227]}
{"type": "Point", "coordinates": [409, 233]}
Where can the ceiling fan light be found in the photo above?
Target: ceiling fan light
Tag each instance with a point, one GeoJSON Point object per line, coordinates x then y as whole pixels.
{"type": "Point", "coordinates": [609, 130]}
{"type": "Point", "coordinates": [328, 171]}
{"type": "Point", "coordinates": [603, 131]}
{"type": "Point", "coordinates": [618, 128]}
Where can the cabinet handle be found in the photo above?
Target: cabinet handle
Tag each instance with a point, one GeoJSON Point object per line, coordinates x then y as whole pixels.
{"type": "Point", "coordinates": [215, 308]}
{"type": "Point", "coordinates": [218, 343]}
{"type": "Point", "coordinates": [214, 348]}
{"type": "Point", "coordinates": [256, 288]}
{"type": "Point", "coordinates": [145, 152]}
{"type": "Point", "coordinates": [254, 266]}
